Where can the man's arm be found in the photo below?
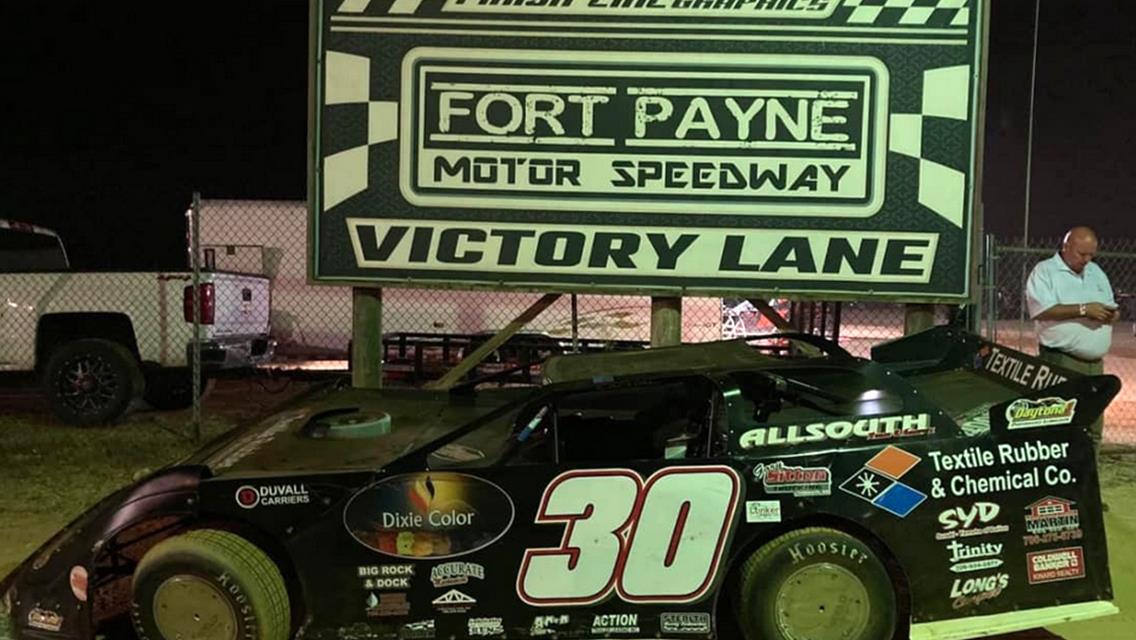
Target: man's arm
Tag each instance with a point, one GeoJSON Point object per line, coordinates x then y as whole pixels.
{"type": "Point", "coordinates": [1092, 311]}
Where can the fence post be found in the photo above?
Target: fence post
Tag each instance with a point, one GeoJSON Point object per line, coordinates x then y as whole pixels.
{"type": "Point", "coordinates": [666, 321]}
{"type": "Point", "coordinates": [195, 264]}
{"type": "Point", "coordinates": [366, 338]}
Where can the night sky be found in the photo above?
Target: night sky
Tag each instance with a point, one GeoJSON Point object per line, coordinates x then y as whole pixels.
{"type": "Point", "coordinates": [115, 112]}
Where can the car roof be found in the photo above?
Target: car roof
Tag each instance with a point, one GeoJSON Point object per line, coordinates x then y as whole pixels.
{"type": "Point", "coordinates": [685, 358]}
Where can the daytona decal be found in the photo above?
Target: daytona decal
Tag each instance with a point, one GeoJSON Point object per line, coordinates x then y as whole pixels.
{"type": "Point", "coordinates": [877, 428]}
{"type": "Point", "coordinates": [1046, 412]}
{"type": "Point", "coordinates": [654, 542]}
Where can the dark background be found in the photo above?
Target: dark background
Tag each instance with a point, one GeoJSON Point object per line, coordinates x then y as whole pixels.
{"type": "Point", "coordinates": [115, 112]}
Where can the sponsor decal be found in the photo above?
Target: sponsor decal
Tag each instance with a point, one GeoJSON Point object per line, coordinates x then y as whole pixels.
{"type": "Point", "coordinates": [454, 601]}
{"type": "Point", "coordinates": [961, 483]}
{"type": "Point", "coordinates": [275, 495]}
{"type": "Point", "coordinates": [1055, 565]}
{"type": "Point", "coordinates": [421, 630]}
{"type": "Point", "coordinates": [615, 623]}
{"type": "Point", "coordinates": [690, 511]}
{"type": "Point", "coordinates": [799, 552]}
{"type": "Point", "coordinates": [455, 573]}
{"type": "Point", "coordinates": [429, 515]}
{"type": "Point", "coordinates": [878, 482]}
{"type": "Point", "coordinates": [875, 428]}
{"type": "Point", "coordinates": [690, 622]}
{"type": "Point", "coordinates": [1046, 412]}
{"type": "Point", "coordinates": [974, 557]}
{"type": "Point", "coordinates": [45, 620]}
{"type": "Point", "coordinates": [548, 625]}
{"type": "Point", "coordinates": [778, 477]}
{"type": "Point", "coordinates": [486, 627]}
{"type": "Point", "coordinates": [1034, 376]}
{"type": "Point", "coordinates": [976, 421]}
{"type": "Point", "coordinates": [967, 522]}
{"type": "Point", "coordinates": [379, 578]}
{"type": "Point", "coordinates": [387, 605]}
{"type": "Point", "coordinates": [968, 592]}
{"type": "Point", "coordinates": [1052, 520]}
{"type": "Point", "coordinates": [763, 511]}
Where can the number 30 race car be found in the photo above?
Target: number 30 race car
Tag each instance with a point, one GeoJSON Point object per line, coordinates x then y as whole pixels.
{"type": "Point", "coordinates": [944, 489]}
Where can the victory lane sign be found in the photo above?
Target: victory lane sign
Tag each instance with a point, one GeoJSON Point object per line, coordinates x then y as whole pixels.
{"type": "Point", "coordinates": [658, 146]}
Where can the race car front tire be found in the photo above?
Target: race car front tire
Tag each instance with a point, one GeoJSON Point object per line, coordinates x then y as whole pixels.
{"type": "Point", "coordinates": [209, 584]}
{"type": "Point", "coordinates": [815, 583]}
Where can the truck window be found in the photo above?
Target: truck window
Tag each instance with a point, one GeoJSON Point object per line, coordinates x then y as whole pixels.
{"type": "Point", "coordinates": [27, 251]}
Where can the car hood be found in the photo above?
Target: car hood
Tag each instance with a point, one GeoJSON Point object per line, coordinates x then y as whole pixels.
{"type": "Point", "coordinates": [346, 429]}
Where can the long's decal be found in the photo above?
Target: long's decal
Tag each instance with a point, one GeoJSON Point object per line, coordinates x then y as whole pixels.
{"type": "Point", "coordinates": [654, 542]}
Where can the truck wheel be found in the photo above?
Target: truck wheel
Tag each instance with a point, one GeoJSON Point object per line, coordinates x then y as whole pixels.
{"type": "Point", "coordinates": [815, 584]}
{"type": "Point", "coordinates": [89, 382]}
{"type": "Point", "coordinates": [170, 389]}
{"type": "Point", "coordinates": [209, 584]}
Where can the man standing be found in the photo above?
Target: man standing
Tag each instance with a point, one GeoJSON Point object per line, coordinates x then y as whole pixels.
{"type": "Point", "coordinates": [1071, 302]}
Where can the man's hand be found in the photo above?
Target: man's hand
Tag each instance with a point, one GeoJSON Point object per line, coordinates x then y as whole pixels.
{"type": "Point", "coordinates": [1099, 312]}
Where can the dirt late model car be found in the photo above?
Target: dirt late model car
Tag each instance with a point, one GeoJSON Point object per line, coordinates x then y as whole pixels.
{"type": "Point", "coordinates": [945, 489]}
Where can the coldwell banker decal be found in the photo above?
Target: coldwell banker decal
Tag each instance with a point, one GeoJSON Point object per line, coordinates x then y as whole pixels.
{"type": "Point", "coordinates": [429, 515]}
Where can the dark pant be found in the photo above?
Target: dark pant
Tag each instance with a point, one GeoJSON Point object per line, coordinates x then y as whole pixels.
{"type": "Point", "coordinates": [1094, 368]}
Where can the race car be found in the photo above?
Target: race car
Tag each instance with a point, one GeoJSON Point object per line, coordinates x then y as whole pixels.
{"type": "Point", "coordinates": [944, 489]}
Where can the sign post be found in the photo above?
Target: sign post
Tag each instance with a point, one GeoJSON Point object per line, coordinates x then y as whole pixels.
{"type": "Point", "coordinates": [367, 338]}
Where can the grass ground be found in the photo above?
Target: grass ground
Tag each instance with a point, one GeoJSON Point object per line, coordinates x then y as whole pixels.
{"type": "Point", "coordinates": [50, 473]}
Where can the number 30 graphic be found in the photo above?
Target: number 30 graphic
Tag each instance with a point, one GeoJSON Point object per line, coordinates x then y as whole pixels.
{"type": "Point", "coordinates": [656, 542]}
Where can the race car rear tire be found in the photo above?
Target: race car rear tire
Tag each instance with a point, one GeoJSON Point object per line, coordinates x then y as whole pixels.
{"type": "Point", "coordinates": [815, 583]}
{"type": "Point", "coordinates": [209, 584]}
{"type": "Point", "coordinates": [91, 381]}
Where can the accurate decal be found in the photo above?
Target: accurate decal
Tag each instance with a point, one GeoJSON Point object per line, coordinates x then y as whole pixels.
{"type": "Point", "coordinates": [967, 592]}
{"type": "Point", "coordinates": [777, 477]}
{"type": "Point", "coordinates": [968, 522]}
{"type": "Point", "coordinates": [962, 483]}
{"type": "Point", "coordinates": [455, 573]}
{"type": "Point", "coordinates": [1046, 412]}
{"type": "Point", "coordinates": [615, 623]}
{"type": "Point", "coordinates": [875, 428]}
{"type": "Point", "coordinates": [688, 622]}
{"type": "Point", "coordinates": [249, 497]}
{"type": "Point", "coordinates": [1052, 520]}
{"type": "Point", "coordinates": [385, 577]}
{"type": "Point", "coordinates": [878, 482]}
{"type": "Point", "coordinates": [1055, 565]}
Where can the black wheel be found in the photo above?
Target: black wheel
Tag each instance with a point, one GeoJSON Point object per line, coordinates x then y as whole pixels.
{"type": "Point", "coordinates": [815, 584]}
{"type": "Point", "coordinates": [89, 382]}
{"type": "Point", "coordinates": [170, 389]}
{"type": "Point", "coordinates": [209, 585]}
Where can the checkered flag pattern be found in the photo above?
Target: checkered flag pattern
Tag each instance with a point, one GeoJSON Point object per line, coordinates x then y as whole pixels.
{"type": "Point", "coordinates": [902, 13]}
{"type": "Point", "coordinates": [348, 98]}
{"type": "Point", "coordinates": [946, 96]}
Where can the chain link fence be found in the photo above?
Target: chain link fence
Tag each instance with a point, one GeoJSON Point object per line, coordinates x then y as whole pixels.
{"type": "Point", "coordinates": [1007, 319]}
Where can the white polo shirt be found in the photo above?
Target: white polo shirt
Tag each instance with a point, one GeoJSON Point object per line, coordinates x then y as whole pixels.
{"type": "Point", "coordinates": [1051, 283]}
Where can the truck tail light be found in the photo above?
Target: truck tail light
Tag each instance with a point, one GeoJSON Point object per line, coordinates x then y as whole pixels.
{"type": "Point", "coordinates": [205, 300]}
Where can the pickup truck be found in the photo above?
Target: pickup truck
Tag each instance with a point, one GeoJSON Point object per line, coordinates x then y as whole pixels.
{"type": "Point", "coordinates": [97, 341]}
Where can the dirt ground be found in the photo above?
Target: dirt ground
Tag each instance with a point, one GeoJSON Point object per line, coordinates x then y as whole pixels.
{"type": "Point", "coordinates": [49, 473]}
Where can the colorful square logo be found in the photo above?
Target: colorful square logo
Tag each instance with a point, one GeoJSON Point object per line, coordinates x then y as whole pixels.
{"type": "Point", "coordinates": [878, 482]}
